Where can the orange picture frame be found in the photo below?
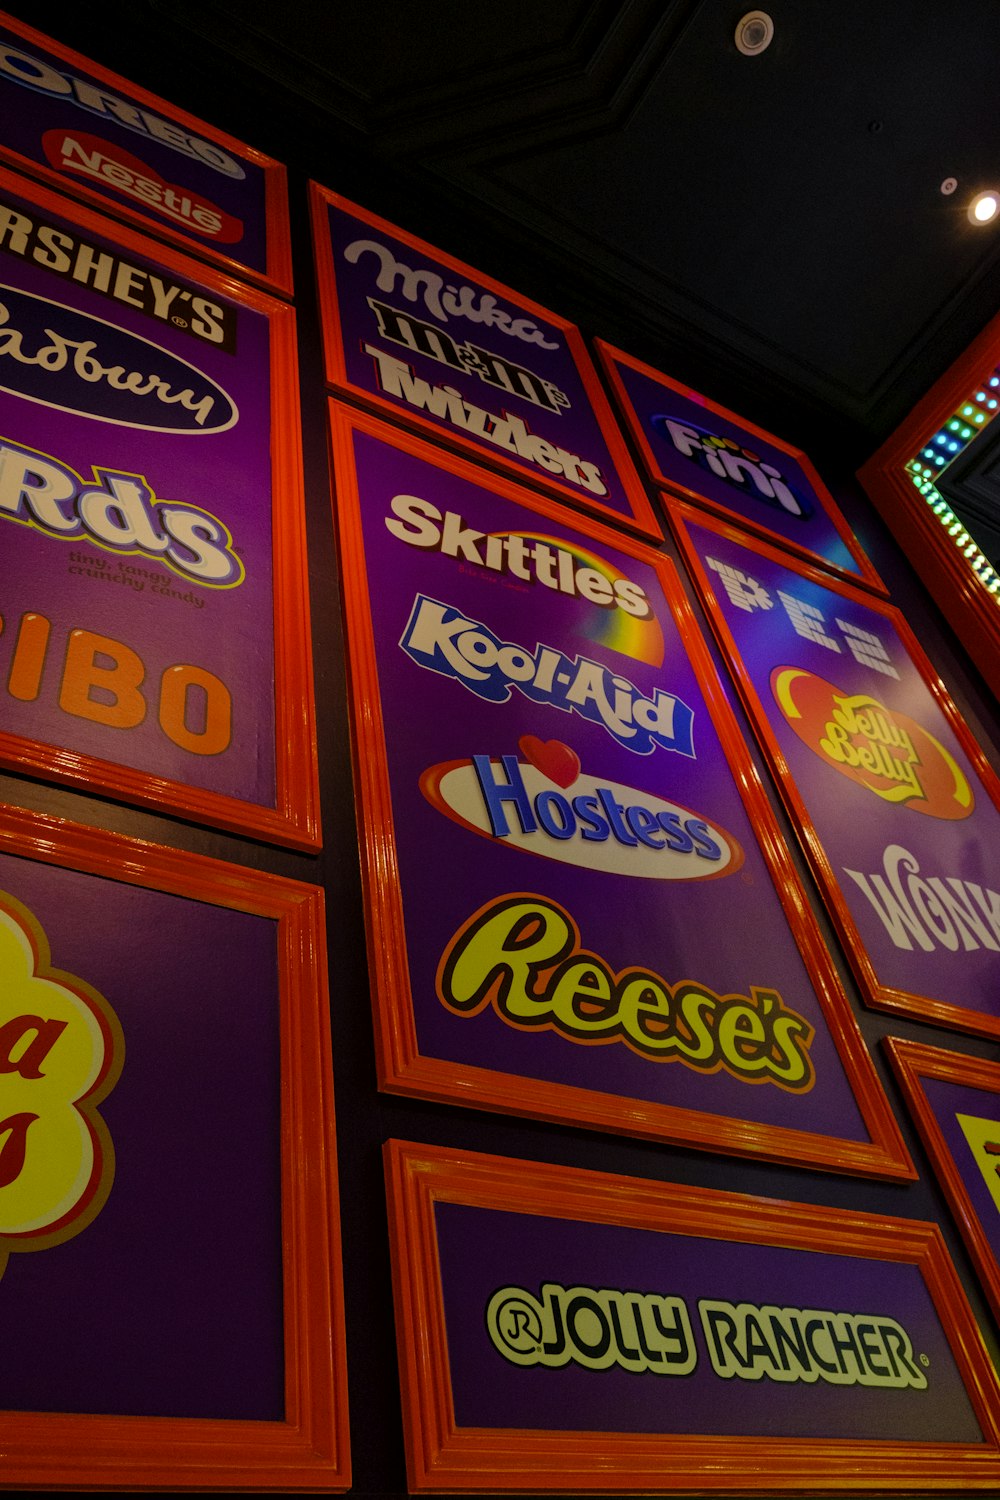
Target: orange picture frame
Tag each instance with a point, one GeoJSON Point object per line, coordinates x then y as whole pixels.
{"type": "Point", "coordinates": [309, 1449]}
{"type": "Point", "coordinates": [402, 1067]}
{"type": "Point", "coordinates": [294, 817]}
{"type": "Point", "coordinates": [277, 275]}
{"type": "Point", "coordinates": [445, 1455]}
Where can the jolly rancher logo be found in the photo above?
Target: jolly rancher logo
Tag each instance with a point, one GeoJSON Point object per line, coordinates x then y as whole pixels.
{"type": "Point", "coordinates": [523, 955]}
{"type": "Point", "coordinates": [61, 1053]}
{"type": "Point", "coordinates": [886, 752]}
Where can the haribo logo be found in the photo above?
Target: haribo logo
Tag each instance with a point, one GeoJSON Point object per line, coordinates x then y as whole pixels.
{"type": "Point", "coordinates": [61, 1052]}
{"type": "Point", "coordinates": [734, 465]}
{"type": "Point", "coordinates": [886, 752]}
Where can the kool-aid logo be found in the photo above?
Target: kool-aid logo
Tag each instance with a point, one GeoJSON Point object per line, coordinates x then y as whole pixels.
{"type": "Point", "coordinates": [735, 465]}
{"type": "Point", "coordinates": [61, 1052]}
{"type": "Point", "coordinates": [71, 361]}
{"type": "Point", "coordinates": [880, 749]}
{"type": "Point", "coordinates": [545, 805]}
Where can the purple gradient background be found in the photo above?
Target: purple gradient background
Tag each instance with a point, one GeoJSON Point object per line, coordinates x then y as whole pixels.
{"type": "Point", "coordinates": [227, 474]}
{"type": "Point", "coordinates": [728, 932]}
{"type": "Point", "coordinates": [854, 825]}
{"type": "Point", "coordinates": [574, 428]}
{"type": "Point", "coordinates": [170, 1302]}
{"type": "Point", "coordinates": [816, 531]}
{"type": "Point", "coordinates": [483, 1249]}
{"type": "Point", "coordinates": [28, 113]}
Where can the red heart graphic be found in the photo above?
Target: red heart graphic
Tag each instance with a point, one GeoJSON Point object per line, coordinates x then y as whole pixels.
{"type": "Point", "coordinates": [554, 759]}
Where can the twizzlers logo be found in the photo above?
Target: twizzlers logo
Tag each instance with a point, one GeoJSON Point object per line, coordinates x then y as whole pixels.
{"type": "Point", "coordinates": [61, 1052]}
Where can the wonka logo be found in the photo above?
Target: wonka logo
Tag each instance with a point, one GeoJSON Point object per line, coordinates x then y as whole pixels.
{"type": "Point", "coordinates": [61, 1051]}
{"type": "Point", "coordinates": [601, 825]}
{"type": "Point", "coordinates": [443, 640]}
{"type": "Point", "coordinates": [71, 361]}
{"type": "Point", "coordinates": [522, 954]}
{"type": "Point", "coordinates": [111, 166]}
{"type": "Point", "coordinates": [734, 465]}
{"type": "Point", "coordinates": [928, 910]}
{"type": "Point", "coordinates": [593, 1327]}
{"type": "Point", "coordinates": [886, 752]}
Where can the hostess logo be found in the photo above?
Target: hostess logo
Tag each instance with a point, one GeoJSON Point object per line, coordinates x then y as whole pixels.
{"type": "Point", "coordinates": [72, 361]}
{"type": "Point", "coordinates": [595, 824]}
{"type": "Point", "coordinates": [734, 465]}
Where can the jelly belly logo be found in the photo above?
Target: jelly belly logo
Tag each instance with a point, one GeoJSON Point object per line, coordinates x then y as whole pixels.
{"type": "Point", "coordinates": [71, 361]}
{"type": "Point", "coordinates": [602, 1328]}
{"type": "Point", "coordinates": [522, 955]}
{"type": "Point", "coordinates": [886, 752]}
{"type": "Point", "coordinates": [61, 1052]}
{"type": "Point", "coordinates": [112, 167]}
{"type": "Point", "coordinates": [598, 825]}
{"type": "Point", "coordinates": [734, 465]}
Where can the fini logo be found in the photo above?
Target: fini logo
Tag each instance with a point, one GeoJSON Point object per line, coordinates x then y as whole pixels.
{"type": "Point", "coordinates": [540, 801]}
{"type": "Point", "coordinates": [735, 465]}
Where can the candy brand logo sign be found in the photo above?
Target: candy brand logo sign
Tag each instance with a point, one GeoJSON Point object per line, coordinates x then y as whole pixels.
{"type": "Point", "coordinates": [735, 466]}
{"type": "Point", "coordinates": [935, 913]}
{"type": "Point", "coordinates": [95, 369]}
{"type": "Point", "coordinates": [443, 301]}
{"type": "Point", "coordinates": [644, 1332]}
{"type": "Point", "coordinates": [603, 826]}
{"type": "Point", "coordinates": [42, 78]}
{"type": "Point", "coordinates": [522, 954]}
{"type": "Point", "coordinates": [61, 1051]}
{"type": "Point", "coordinates": [440, 638]}
{"type": "Point", "coordinates": [118, 511]}
{"type": "Point", "coordinates": [113, 167]}
{"type": "Point", "coordinates": [886, 752]}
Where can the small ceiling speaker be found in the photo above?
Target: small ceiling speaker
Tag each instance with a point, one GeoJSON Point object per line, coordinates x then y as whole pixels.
{"type": "Point", "coordinates": [754, 32]}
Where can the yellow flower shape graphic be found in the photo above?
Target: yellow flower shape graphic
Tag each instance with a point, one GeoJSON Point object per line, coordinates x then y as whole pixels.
{"type": "Point", "coordinates": [61, 1053]}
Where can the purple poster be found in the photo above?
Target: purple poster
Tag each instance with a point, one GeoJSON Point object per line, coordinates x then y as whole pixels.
{"type": "Point", "coordinates": [139, 468]}
{"type": "Point", "coordinates": [436, 343]}
{"type": "Point", "coordinates": [565, 1329]}
{"type": "Point", "coordinates": [582, 902]}
{"type": "Point", "coordinates": [698, 448]}
{"type": "Point", "coordinates": [97, 136]}
{"type": "Point", "coordinates": [902, 825]}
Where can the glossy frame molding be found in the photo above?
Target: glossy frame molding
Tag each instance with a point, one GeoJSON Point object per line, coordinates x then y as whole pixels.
{"type": "Point", "coordinates": [278, 273]}
{"type": "Point", "coordinates": [443, 1456]}
{"type": "Point", "coordinates": [913, 1062]}
{"type": "Point", "coordinates": [611, 358]}
{"type": "Point", "coordinates": [964, 599]}
{"type": "Point", "coordinates": [643, 517]}
{"type": "Point", "coordinates": [402, 1068]}
{"type": "Point", "coordinates": [309, 1449]}
{"type": "Point", "coordinates": [877, 993]}
{"type": "Point", "coordinates": [294, 818]}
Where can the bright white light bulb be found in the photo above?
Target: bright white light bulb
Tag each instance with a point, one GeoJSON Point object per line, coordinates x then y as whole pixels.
{"type": "Point", "coordinates": [984, 207]}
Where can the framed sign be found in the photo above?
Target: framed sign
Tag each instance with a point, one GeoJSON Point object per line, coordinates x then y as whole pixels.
{"type": "Point", "coordinates": [562, 1330]}
{"type": "Point", "coordinates": [955, 1101]}
{"type": "Point", "coordinates": [429, 341]}
{"type": "Point", "coordinates": [170, 1286]}
{"type": "Point", "coordinates": [85, 130]}
{"type": "Point", "coordinates": [155, 643]}
{"type": "Point", "coordinates": [578, 905]}
{"type": "Point", "coordinates": [898, 808]}
{"type": "Point", "coordinates": [699, 449]}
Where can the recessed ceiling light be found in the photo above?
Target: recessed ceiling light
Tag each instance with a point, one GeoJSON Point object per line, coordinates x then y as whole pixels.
{"type": "Point", "coordinates": [753, 33]}
{"type": "Point", "coordinates": [984, 207]}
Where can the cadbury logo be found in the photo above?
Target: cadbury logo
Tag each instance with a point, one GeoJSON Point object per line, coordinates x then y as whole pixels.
{"type": "Point", "coordinates": [70, 361]}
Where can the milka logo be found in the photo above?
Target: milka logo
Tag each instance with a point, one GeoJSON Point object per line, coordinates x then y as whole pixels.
{"type": "Point", "coordinates": [734, 465]}
{"type": "Point", "coordinates": [886, 752]}
{"type": "Point", "coordinates": [600, 826]}
{"type": "Point", "coordinates": [118, 511]}
{"type": "Point", "coordinates": [96, 369]}
{"type": "Point", "coordinates": [440, 638]}
{"type": "Point", "coordinates": [593, 1327]}
{"type": "Point", "coordinates": [442, 301]}
{"type": "Point", "coordinates": [934, 912]}
{"type": "Point", "coordinates": [61, 1052]}
{"type": "Point", "coordinates": [523, 955]}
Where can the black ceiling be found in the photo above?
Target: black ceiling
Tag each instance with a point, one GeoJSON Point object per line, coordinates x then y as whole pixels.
{"type": "Point", "coordinates": [770, 228]}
